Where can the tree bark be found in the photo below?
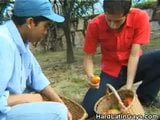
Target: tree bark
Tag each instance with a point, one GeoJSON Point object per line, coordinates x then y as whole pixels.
{"type": "Point", "coordinates": [67, 33]}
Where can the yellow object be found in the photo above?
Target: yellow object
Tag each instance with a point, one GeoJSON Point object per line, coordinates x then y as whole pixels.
{"type": "Point", "coordinates": [111, 111]}
{"type": "Point", "coordinates": [95, 79]}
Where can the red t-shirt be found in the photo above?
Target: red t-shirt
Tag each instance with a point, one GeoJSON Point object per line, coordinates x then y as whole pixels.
{"type": "Point", "coordinates": [116, 46]}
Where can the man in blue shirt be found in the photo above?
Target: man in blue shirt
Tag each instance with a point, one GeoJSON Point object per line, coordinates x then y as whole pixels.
{"type": "Point", "coordinates": [19, 70]}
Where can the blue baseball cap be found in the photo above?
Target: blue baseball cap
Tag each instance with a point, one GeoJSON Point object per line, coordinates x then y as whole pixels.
{"type": "Point", "coordinates": [33, 8]}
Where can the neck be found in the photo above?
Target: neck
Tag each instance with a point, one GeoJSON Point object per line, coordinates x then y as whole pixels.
{"type": "Point", "coordinates": [120, 28]}
{"type": "Point", "coordinates": [22, 30]}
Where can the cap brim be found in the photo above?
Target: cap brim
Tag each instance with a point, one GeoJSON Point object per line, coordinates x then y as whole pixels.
{"type": "Point", "coordinates": [55, 18]}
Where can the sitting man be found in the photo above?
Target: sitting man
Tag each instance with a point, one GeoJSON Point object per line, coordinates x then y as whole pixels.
{"type": "Point", "coordinates": [20, 72]}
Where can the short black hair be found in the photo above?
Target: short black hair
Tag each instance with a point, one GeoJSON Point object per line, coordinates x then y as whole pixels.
{"type": "Point", "coordinates": [117, 6]}
{"type": "Point", "coordinates": [22, 20]}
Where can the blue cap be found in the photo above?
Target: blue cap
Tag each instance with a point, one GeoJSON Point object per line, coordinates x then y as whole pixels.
{"type": "Point", "coordinates": [33, 8]}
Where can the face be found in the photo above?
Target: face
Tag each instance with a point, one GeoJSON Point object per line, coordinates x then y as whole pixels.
{"type": "Point", "coordinates": [115, 21]}
{"type": "Point", "coordinates": [37, 31]}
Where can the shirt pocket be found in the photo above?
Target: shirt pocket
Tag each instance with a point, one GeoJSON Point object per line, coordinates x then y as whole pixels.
{"type": "Point", "coordinates": [107, 41]}
{"type": "Point", "coordinates": [127, 40]}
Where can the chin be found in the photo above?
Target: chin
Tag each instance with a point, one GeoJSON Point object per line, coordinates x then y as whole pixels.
{"type": "Point", "coordinates": [34, 43]}
{"type": "Point", "coordinates": [116, 29]}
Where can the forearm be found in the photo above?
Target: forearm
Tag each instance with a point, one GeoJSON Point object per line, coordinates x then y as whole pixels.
{"type": "Point", "coordinates": [132, 65]}
{"type": "Point", "coordinates": [50, 94]}
{"type": "Point", "coordinates": [131, 71]}
{"type": "Point", "coordinates": [24, 98]}
{"type": "Point", "coordinates": [88, 65]}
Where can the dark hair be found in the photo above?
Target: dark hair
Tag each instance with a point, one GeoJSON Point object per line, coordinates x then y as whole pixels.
{"type": "Point", "coordinates": [22, 20]}
{"type": "Point", "coordinates": [117, 6]}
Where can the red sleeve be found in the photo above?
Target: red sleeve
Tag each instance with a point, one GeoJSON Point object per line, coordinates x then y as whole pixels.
{"type": "Point", "coordinates": [91, 38]}
{"type": "Point", "coordinates": [142, 28]}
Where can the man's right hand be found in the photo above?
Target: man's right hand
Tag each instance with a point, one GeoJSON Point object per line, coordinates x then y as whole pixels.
{"type": "Point", "coordinates": [94, 81]}
{"type": "Point", "coordinates": [93, 85]}
{"type": "Point", "coordinates": [69, 115]}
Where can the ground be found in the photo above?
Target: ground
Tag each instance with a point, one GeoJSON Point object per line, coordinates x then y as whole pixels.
{"type": "Point", "coordinates": [70, 80]}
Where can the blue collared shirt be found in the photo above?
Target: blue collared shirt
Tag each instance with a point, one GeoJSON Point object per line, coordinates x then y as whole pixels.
{"type": "Point", "coordinates": [19, 70]}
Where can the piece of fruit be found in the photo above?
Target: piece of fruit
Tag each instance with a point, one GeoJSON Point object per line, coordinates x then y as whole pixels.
{"type": "Point", "coordinates": [95, 79]}
{"type": "Point", "coordinates": [104, 113]}
{"type": "Point", "coordinates": [114, 106]}
{"type": "Point", "coordinates": [127, 101]}
{"type": "Point", "coordinates": [113, 111]}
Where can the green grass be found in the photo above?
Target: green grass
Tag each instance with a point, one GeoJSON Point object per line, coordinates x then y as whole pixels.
{"type": "Point", "coordinates": [70, 80]}
{"type": "Point", "coordinates": [154, 44]}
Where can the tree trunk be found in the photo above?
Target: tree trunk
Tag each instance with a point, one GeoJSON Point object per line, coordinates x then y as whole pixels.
{"type": "Point", "coordinates": [67, 33]}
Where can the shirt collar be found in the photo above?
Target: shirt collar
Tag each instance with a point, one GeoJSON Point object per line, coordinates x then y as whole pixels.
{"type": "Point", "coordinates": [22, 47]}
{"type": "Point", "coordinates": [105, 25]}
{"type": "Point", "coordinates": [129, 19]}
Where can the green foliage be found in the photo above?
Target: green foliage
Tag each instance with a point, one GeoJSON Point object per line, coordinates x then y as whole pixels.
{"type": "Point", "coordinates": [78, 8]}
{"type": "Point", "coordinates": [2, 5]}
{"type": "Point", "coordinates": [146, 5]}
{"type": "Point", "coordinates": [5, 9]}
{"type": "Point", "coordinates": [83, 8]}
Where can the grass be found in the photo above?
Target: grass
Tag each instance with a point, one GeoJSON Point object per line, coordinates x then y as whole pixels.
{"type": "Point", "coordinates": [70, 80]}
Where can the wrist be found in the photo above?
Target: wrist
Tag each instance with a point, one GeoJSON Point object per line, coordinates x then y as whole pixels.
{"type": "Point", "coordinates": [128, 87]}
{"type": "Point", "coordinates": [89, 76]}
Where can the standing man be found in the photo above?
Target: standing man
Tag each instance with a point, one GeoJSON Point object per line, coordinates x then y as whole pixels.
{"type": "Point", "coordinates": [120, 32]}
{"type": "Point", "coordinates": [19, 70]}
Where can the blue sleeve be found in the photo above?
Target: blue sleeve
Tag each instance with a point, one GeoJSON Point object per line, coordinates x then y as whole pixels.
{"type": "Point", "coordinates": [6, 70]}
{"type": "Point", "coordinates": [38, 79]}
{"type": "Point", "coordinates": [4, 108]}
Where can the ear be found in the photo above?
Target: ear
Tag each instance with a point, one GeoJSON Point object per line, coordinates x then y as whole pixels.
{"type": "Point", "coordinates": [30, 22]}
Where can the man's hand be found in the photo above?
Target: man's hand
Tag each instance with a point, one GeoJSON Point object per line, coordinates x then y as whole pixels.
{"type": "Point", "coordinates": [94, 81]}
{"type": "Point", "coordinates": [128, 87]}
{"type": "Point", "coordinates": [125, 87]}
{"type": "Point", "coordinates": [69, 116]}
{"type": "Point", "coordinates": [93, 85]}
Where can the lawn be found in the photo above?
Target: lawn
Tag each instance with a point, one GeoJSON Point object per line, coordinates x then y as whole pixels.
{"type": "Point", "coordinates": [70, 80]}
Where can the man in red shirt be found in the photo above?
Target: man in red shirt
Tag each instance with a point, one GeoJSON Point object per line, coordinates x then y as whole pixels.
{"type": "Point", "coordinates": [120, 32]}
